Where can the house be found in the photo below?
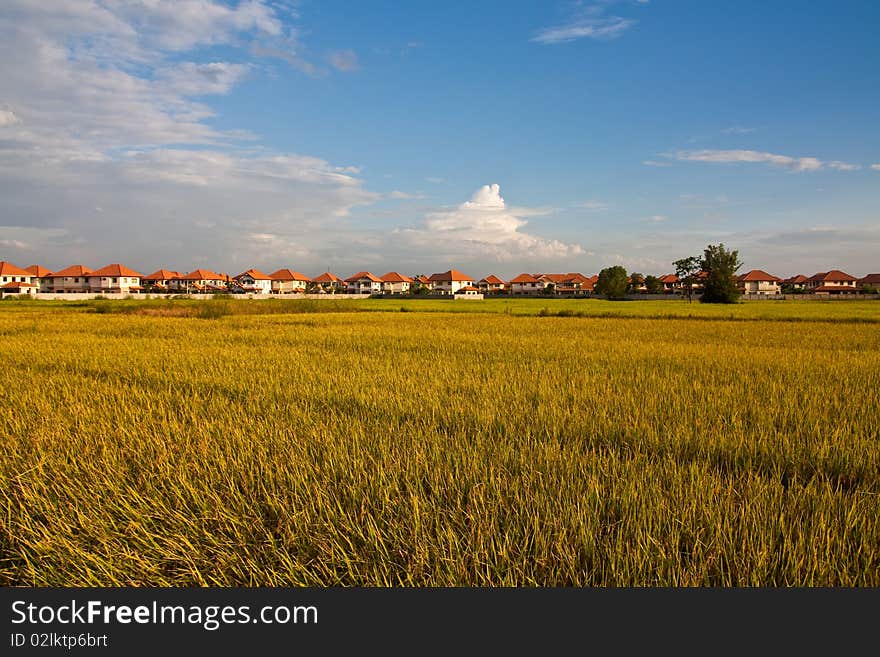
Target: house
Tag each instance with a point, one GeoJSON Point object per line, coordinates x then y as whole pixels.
{"type": "Point", "coordinates": [871, 280]}
{"type": "Point", "coordinates": [70, 280]}
{"type": "Point", "coordinates": [329, 282]}
{"type": "Point", "coordinates": [798, 282]}
{"type": "Point", "coordinates": [760, 282]}
{"type": "Point", "coordinates": [526, 284]}
{"type": "Point", "coordinates": [202, 281]}
{"type": "Point", "coordinates": [9, 273]}
{"type": "Point", "coordinates": [42, 277]}
{"type": "Point", "coordinates": [159, 280]}
{"type": "Point", "coordinates": [287, 281]}
{"type": "Point", "coordinates": [671, 284]}
{"type": "Point", "coordinates": [254, 281]}
{"type": "Point", "coordinates": [421, 282]}
{"type": "Point", "coordinates": [449, 282]}
{"type": "Point", "coordinates": [363, 283]}
{"type": "Point", "coordinates": [468, 292]}
{"type": "Point", "coordinates": [832, 282]}
{"type": "Point", "coordinates": [491, 285]}
{"type": "Point", "coordinates": [394, 283]}
{"type": "Point", "coordinates": [115, 279]}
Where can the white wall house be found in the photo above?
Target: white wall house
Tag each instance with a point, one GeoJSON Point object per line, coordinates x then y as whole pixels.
{"type": "Point", "coordinates": [115, 279]}
{"type": "Point", "coordinates": [832, 282]}
{"type": "Point", "coordinates": [449, 282]}
{"type": "Point", "coordinates": [200, 281]}
{"type": "Point", "coordinates": [161, 279]}
{"type": "Point", "coordinates": [491, 284]}
{"type": "Point", "coordinates": [254, 281]}
{"type": "Point", "coordinates": [73, 279]}
{"type": "Point", "coordinates": [330, 282]}
{"type": "Point", "coordinates": [363, 283]}
{"type": "Point", "coordinates": [525, 284]}
{"type": "Point", "coordinates": [41, 278]}
{"type": "Point", "coordinates": [394, 283]}
{"type": "Point", "coordinates": [287, 281]}
{"type": "Point", "coordinates": [15, 280]}
{"type": "Point", "coordinates": [760, 282]}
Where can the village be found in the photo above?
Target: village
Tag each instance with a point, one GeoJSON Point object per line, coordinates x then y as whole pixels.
{"type": "Point", "coordinates": [79, 281]}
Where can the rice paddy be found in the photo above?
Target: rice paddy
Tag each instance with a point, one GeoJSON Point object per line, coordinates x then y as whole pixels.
{"type": "Point", "coordinates": [503, 442]}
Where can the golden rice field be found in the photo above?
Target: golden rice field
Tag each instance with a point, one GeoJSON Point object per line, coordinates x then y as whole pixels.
{"type": "Point", "coordinates": [252, 444]}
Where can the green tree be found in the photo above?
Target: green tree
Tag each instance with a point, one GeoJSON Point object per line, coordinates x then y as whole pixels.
{"type": "Point", "coordinates": [653, 284]}
{"type": "Point", "coordinates": [635, 281]}
{"type": "Point", "coordinates": [688, 271]}
{"type": "Point", "coordinates": [720, 265]}
{"type": "Point", "coordinates": [612, 283]}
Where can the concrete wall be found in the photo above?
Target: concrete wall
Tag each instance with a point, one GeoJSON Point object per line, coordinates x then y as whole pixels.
{"type": "Point", "coordinates": [84, 296]}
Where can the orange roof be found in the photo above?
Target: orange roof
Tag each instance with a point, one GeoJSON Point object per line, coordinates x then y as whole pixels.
{"type": "Point", "coordinates": [524, 278]}
{"type": "Point", "coordinates": [256, 274]}
{"type": "Point", "coordinates": [758, 275]}
{"type": "Point", "coordinates": [162, 275]}
{"type": "Point", "coordinates": [202, 275]}
{"type": "Point", "coordinates": [8, 269]}
{"type": "Point", "coordinates": [834, 288]}
{"type": "Point", "coordinates": [833, 276]}
{"type": "Point", "coordinates": [870, 279]}
{"type": "Point", "coordinates": [38, 271]}
{"type": "Point", "coordinates": [116, 270]}
{"type": "Point", "coordinates": [553, 278]}
{"type": "Point", "coordinates": [451, 275]}
{"type": "Point", "coordinates": [363, 274]}
{"type": "Point", "coordinates": [795, 280]}
{"type": "Point", "coordinates": [73, 270]}
{"type": "Point", "coordinates": [492, 279]}
{"type": "Point", "coordinates": [394, 277]}
{"type": "Point", "coordinates": [18, 285]}
{"type": "Point", "coordinates": [286, 275]}
{"type": "Point", "coordinates": [669, 278]}
{"type": "Point", "coordinates": [467, 288]}
{"type": "Point", "coordinates": [424, 280]}
{"type": "Point", "coordinates": [328, 277]}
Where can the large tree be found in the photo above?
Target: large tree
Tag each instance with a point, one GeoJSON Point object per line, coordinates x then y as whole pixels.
{"type": "Point", "coordinates": [688, 272]}
{"type": "Point", "coordinates": [635, 281]}
{"type": "Point", "coordinates": [720, 266]}
{"type": "Point", "coordinates": [613, 282]}
{"type": "Point", "coordinates": [653, 284]}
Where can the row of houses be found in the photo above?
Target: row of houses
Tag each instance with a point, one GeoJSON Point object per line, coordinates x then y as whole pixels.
{"type": "Point", "coordinates": [117, 278]}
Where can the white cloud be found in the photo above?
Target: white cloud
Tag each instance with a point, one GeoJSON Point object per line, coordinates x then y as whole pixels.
{"type": "Point", "coordinates": [739, 156]}
{"type": "Point", "coordinates": [737, 130]}
{"type": "Point", "coordinates": [107, 156]}
{"type": "Point", "coordinates": [397, 194]}
{"type": "Point", "coordinates": [656, 163]}
{"type": "Point", "coordinates": [843, 166]}
{"type": "Point", "coordinates": [435, 180]}
{"type": "Point", "coordinates": [588, 21]}
{"type": "Point", "coordinates": [344, 60]}
{"type": "Point", "coordinates": [659, 217]}
{"type": "Point", "coordinates": [594, 205]}
{"type": "Point", "coordinates": [875, 167]}
{"type": "Point", "coordinates": [485, 226]}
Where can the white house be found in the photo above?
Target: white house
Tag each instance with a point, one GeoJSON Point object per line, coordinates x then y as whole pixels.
{"type": "Point", "coordinates": [160, 279]}
{"type": "Point", "coordinates": [287, 281]}
{"type": "Point", "coordinates": [330, 282]}
{"type": "Point", "coordinates": [70, 280]}
{"type": "Point", "coordinates": [115, 278]}
{"type": "Point", "coordinates": [363, 283]}
{"type": "Point", "coordinates": [394, 283]}
{"type": "Point", "coordinates": [14, 280]}
{"type": "Point", "coordinates": [254, 281]}
{"type": "Point", "coordinates": [832, 282]}
{"type": "Point", "coordinates": [760, 282]}
{"type": "Point", "coordinates": [200, 281]}
{"type": "Point", "coordinates": [526, 284]}
{"type": "Point", "coordinates": [449, 282]}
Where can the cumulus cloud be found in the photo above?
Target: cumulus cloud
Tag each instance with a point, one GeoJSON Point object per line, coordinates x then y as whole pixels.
{"type": "Point", "coordinates": [108, 151]}
{"type": "Point", "coordinates": [485, 226]}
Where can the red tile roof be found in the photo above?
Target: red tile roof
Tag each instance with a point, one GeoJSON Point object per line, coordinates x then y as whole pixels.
{"type": "Point", "coordinates": [202, 275]}
{"type": "Point", "coordinates": [363, 274]}
{"type": "Point", "coordinates": [116, 270]}
{"type": "Point", "coordinates": [424, 280]}
{"type": "Point", "coordinates": [758, 275]}
{"type": "Point", "coordinates": [328, 277]}
{"type": "Point", "coordinates": [870, 279]}
{"type": "Point", "coordinates": [833, 276]}
{"type": "Point", "coordinates": [162, 275]}
{"type": "Point", "coordinates": [17, 286]}
{"type": "Point", "coordinates": [467, 288]}
{"type": "Point", "coordinates": [669, 278]}
{"type": "Point", "coordinates": [524, 278]}
{"type": "Point", "coordinates": [8, 269]}
{"type": "Point", "coordinates": [256, 274]}
{"type": "Point", "coordinates": [553, 278]}
{"type": "Point", "coordinates": [38, 271]}
{"type": "Point", "coordinates": [286, 275]}
{"type": "Point", "coordinates": [835, 288]}
{"type": "Point", "coordinates": [492, 279]}
{"type": "Point", "coordinates": [394, 277]}
{"type": "Point", "coordinates": [72, 271]}
{"type": "Point", "coordinates": [796, 280]}
{"type": "Point", "coordinates": [449, 276]}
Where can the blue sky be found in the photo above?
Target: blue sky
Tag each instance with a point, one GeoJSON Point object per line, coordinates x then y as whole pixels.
{"type": "Point", "coordinates": [489, 136]}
